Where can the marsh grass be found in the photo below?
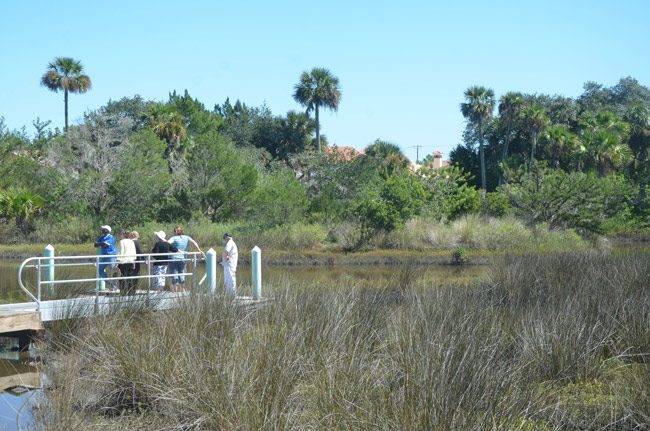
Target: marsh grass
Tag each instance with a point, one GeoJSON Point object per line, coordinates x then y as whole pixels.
{"type": "Point", "coordinates": [477, 234]}
{"type": "Point", "coordinates": [548, 342]}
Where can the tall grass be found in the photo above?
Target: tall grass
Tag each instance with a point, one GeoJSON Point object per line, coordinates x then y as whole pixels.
{"type": "Point", "coordinates": [549, 342]}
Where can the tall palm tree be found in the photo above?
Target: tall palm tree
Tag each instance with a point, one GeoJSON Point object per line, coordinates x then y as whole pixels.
{"type": "Point", "coordinates": [315, 89]}
{"type": "Point", "coordinates": [509, 105]}
{"type": "Point", "coordinates": [477, 108]}
{"type": "Point", "coordinates": [536, 119]}
{"type": "Point", "coordinates": [66, 74]}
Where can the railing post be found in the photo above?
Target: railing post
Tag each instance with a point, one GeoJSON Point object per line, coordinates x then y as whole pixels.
{"type": "Point", "coordinates": [211, 270]}
{"type": "Point", "coordinates": [99, 284]}
{"type": "Point", "coordinates": [49, 265]}
{"type": "Point", "coordinates": [195, 273]}
{"type": "Point", "coordinates": [38, 280]}
{"type": "Point", "coordinates": [256, 269]}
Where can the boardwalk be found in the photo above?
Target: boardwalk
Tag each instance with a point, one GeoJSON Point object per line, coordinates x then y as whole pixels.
{"type": "Point", "coordinates": [24, 319]}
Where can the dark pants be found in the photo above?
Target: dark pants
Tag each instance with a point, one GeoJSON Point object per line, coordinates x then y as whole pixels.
{"type": "Point", "coordinates": [127, 287]}
{"type": "Point", "coordinates": [136, 272]}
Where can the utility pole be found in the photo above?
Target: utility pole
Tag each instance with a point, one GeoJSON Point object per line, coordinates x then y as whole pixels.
{"type": "Point", "coordinates": [417, 153]}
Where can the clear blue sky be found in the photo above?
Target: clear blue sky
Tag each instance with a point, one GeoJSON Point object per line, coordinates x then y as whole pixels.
{"type": "Point", "coordinates": [403, 66]}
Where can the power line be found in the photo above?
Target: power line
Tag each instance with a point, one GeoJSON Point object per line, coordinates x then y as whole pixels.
{"type": "Point", "coordinates": [417, 151]}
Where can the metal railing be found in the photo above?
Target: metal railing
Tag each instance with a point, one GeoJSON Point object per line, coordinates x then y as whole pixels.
{"type": "Point", "coordinates": [45, 267]}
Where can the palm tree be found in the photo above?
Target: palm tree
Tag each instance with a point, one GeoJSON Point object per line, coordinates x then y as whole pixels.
{"type": "Point", "coordinates": [66, 74]}
{"type": "Point", "coordinates": [391, 156]}
{"type": "Point", "coordinates": [559, 139]}
{"type": "Point", "coordinates": [477, 109]}
{"type": "Point", "coordinates": [536, 119]}
{"type": "Point", "coordinates": [21, 205]}
{"type": "Point", "coordinates": [606, 150]}
{"type": "Point", "coordinates": [605, 134]}
{"type": "Point", "coordinates": [315, 89]}
{"type": "Point", "coordinates": [509, 105]}
{"type": "Point", "coordinates": [170, 127]}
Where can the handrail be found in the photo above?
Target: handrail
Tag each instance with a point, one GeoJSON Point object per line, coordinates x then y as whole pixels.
{"type": "Point", "coordinates": [39, 262]}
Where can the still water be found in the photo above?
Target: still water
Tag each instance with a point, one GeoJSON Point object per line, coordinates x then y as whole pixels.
{"type": "Point", "coordinates": [20, 371]}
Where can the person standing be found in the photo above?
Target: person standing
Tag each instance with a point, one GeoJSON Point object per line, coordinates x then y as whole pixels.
{"type": "Point", "coordinates": [135, 236]}
{"type": "Point", "coordinates": [229, 262]}
{"type": "Point", "coordinates": [177, 264]}
{"type": "Point", "coordinates": [106, 245]}
{"type": "Point", "coordinates": [163, 249]}
{"type": "Point", "coordinates": [126, 262]}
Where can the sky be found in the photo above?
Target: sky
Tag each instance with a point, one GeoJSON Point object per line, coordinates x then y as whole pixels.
{"type": "Point", "coordinates": [402, 66]}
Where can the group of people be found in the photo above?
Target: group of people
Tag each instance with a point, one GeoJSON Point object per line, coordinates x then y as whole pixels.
{"type": "Point", "coordinates": [167, 255]}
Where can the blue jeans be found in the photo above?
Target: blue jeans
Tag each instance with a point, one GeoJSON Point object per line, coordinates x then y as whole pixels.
{"type": "Point", "coordinates": [177, 266]}
{"type": "Point", "coordinates": [106, 262]}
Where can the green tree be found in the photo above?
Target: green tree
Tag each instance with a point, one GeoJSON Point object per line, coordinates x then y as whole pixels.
{"type": "Point", "coordinates": [220, 182]}
{"type": "Point", "coordinates": [170, 127]}
{"type": "Point", "coordinates": [639, 118]}
{"type": "Point", "coordinates": [388, 205]}
{"type": "Point", "coordinates": [21, 206]}
{"type": "Point", "coordinates": [536, 120]}
{"type": "Point", "coordinates": [559, 139]}
{"type": "Point", "coordinates": [66, 74]}
{"type": "Point", "coordinates": [316, 89]}
{"type": "Point", "coordinates": [140, 183]}
{"type": "Point", "coordinates": [564, 200]}
{"type": "Point", "coordinates": [279, 198]}
{"type": "Point", "coordinates": [391, 157]}
{"type": "Point", "coordinates": [450, 194]}
{"type": "Point", "coordinates": [478, 108]}
{"type": "Point", "coordinates": [605, 136]}
{"type": "Point", "coordinates": [510, 105]}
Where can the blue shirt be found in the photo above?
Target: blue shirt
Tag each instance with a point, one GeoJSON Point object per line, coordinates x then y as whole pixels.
{"type": "Point", "coordinates": [108, 239]}
{"type": "Point", "coordinates": [182, 243]}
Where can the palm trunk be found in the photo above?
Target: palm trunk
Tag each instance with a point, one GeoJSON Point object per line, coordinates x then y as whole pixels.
{"type": "Point", "coordinates": [556, 158]}
{"type": "Point", "coordinates": [504, 155]}
{"type": "Point", "coordinates": [65, 102]}
{"type": "Point", "coordinates": [482, 157]}
{"type": "Point", "coordinates": [533, 145]}
{"type": "Point", "coordinates": [317, 130]}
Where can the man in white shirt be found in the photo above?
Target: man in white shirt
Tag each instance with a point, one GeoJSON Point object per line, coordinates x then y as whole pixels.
{"type": "Point", "coordinates": [229, 262]}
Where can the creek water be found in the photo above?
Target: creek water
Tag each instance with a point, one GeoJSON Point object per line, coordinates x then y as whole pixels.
{"type": "Point", "coordinates": [17, 368]}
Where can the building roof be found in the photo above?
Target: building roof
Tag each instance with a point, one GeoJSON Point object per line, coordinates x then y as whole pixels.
{"type": "Point", "coordinates": [343, 153]}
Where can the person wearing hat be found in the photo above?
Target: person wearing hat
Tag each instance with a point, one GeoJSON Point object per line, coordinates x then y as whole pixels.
{"type": "Point", "coordinates": [162, 250]}
{"type": "Point", "coordinates": [106, 246]}
{"type": "Point", "coordinates": [229, 262]}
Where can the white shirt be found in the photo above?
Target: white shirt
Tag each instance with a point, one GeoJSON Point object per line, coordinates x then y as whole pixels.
{"type": "Point", "coordinates": [230, 254]}
{"type": "Point", "coordinates": [126, 251]}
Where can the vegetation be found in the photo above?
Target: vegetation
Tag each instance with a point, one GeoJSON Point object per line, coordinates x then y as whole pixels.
{"type": "Point", "coordinates": [569, 164]}
{"type": "Point", "coordinates": [557, 341]}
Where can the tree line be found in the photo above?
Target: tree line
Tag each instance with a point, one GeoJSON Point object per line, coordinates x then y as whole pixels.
{"type": "Point", "coordinates": [579, 163]}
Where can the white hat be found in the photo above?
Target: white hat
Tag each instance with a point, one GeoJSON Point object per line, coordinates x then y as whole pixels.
{"type": "Point", "coordinates": [160, 234]}
{"type": "Point", "coordinates": [106, 227]}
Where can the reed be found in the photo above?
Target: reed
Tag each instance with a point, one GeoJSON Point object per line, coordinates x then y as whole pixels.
{"type": "Point", "coordinates": [558, 341]}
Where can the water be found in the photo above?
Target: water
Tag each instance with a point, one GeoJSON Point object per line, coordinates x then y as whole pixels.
{"type": "Point", "coordinates": [18, 374]}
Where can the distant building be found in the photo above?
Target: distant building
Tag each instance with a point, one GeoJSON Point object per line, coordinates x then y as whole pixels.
{"type": "Point", "coordinates": [437, 162]}
{"type": "Point", "coordinates": [342, 153]}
